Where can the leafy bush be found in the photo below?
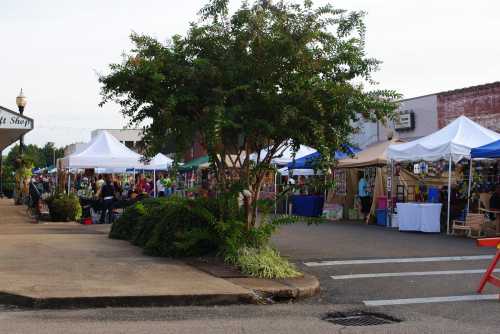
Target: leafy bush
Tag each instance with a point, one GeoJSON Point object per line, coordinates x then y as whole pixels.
{"type": "Point", "coordinates": [63, 207]}
{"type": "Point", "coordinates": [169, 227]}
{"type": "Point", "coordinates": [178, 227]}
{"type": "Point", "coordinates": [184, 228]}
{"type": "Point", "coordinates": [123, 228]}
{"type": "Point", "coordinates": [264, 262]}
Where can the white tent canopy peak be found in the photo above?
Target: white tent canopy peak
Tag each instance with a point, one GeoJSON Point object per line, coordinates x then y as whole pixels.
{"type": "Point", "coordinates": [455, 140]}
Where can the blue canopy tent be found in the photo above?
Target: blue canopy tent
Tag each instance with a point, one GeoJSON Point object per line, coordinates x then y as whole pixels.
{"type": "Point", "coordinates": [491, 150]}
{"type": "Point", "coordinates": [488, 151]}
{"type": "Point", "coordinates": [307, 162]}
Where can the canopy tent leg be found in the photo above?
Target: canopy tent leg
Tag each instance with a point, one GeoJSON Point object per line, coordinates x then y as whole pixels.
{"type": "Point", "coordinates": [389, 194]}
{"type": "Point", "coordinates": [275, 192]}
{"type": "Point", "coordinates": [470, 186]}
{"type": "Point", "coordinates": [449, 197]}
{"type": "Point", "coordinates": [154, 183]}
{"type": "Point", "coordinates": [69, 181]}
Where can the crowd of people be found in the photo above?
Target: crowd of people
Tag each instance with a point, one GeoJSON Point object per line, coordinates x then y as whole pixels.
{"type": "Point", "coordinates": [104, 192]}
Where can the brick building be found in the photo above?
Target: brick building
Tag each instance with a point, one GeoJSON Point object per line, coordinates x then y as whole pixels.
{"type": "Point", "coordinates": [434, 111]}
{"type": "Point", "coordinates": [479, 103]}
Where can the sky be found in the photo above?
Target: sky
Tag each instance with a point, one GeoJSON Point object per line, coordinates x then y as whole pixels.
{"type": "Point", "coordinates": [54, 50]}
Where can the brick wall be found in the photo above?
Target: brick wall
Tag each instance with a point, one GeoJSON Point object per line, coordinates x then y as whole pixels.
{"type": "Point", "coordinates": [196, 151]}
{"type": "Point", "coordinates": [479, 103]}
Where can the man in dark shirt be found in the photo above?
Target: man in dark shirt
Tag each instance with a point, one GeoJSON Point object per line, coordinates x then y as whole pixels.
{"type": "Point", "coordinates": [495, 199]}
{"type": "Point", "coordinates": [107, 197]}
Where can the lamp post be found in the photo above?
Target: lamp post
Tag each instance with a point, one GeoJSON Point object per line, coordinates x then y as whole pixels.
{"type": "Point", "coordinates": [21, 103]}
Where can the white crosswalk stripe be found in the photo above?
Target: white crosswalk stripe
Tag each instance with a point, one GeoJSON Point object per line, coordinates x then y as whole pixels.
{"type": "Point", "coordinates": [397, 267]}
{"type": "Point", "coordinates": [412, 273]}
{"type": "Point", "coordinates": [399, 260]}
{"type": "Point", "coordinates": [448, 299]}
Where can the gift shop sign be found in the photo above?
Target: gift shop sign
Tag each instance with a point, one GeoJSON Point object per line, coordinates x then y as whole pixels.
{"type": "Point", "coordinates": [14, 121]}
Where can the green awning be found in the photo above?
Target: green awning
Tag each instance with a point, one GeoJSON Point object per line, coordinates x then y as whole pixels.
{"type": "Point", "coordinates": [194, 164]}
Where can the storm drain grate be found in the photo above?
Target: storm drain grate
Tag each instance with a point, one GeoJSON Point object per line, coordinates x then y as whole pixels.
{"type": "Point", "coordinates": [359, 319]}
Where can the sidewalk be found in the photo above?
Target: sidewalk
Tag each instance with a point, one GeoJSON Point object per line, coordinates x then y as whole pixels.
{"type": "Point", "coordinates": [67, 264]}
{"type": "Point", "coordinates": [57, 265]}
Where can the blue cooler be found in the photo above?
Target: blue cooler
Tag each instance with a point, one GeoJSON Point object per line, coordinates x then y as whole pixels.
{"type": "Point", "coordinates": [433, 195]}
{"type": "Point", "coordinates": [381, 215]}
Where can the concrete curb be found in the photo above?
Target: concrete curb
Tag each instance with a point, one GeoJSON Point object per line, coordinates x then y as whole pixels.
{"type": "Point", "coordinates": [125, 301]}
{"type": "Point", "coordinates": [275, 289]}
{"type": "Point", "coordinates": [284, 289]}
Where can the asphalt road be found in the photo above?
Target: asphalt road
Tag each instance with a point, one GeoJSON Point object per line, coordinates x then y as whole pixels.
{"type": "Point", "coordinates": [334, 252]}
{"type": "Point", "coordinates": [311, 247]}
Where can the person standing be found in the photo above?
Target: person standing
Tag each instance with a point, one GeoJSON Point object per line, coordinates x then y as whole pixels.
{"type": "Point", "coordinates": [140, 184]}
{"type": "Point", "coordinates": [167, 183]}
{"type": "Point", "coordinates": [160, 187]}
{"type": "Point", "coordinates": [363, 195]}
{"type": "Point", "coordinates": [107, 196]}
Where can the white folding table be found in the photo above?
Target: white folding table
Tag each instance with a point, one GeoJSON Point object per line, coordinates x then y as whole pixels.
{"type": "Point", "coordinates": [423, 217]}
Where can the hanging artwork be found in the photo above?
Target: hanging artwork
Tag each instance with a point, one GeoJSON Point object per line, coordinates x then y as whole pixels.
{"type": "Point", "coordinates": [340, 177]}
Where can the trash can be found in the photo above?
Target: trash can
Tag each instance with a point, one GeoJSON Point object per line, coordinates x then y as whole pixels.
{"type": "Point", "coordinates": [381, 217]}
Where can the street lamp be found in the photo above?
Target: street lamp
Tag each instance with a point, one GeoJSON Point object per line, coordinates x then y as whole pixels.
{"type": "Point", "coordinates": [21, 103]}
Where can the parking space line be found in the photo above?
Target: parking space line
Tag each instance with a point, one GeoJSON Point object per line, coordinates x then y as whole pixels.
{"type": "Point", "coordinates": [411, 273]}
{"type": "Point", "coordinates": [407, 301]}
{"type": "Point", "coordinates": [399, 260]}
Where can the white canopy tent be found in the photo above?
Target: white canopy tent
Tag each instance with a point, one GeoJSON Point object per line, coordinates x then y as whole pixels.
{"type": "Point", "coordinates": [104, 151]}
{"type": "Point", "coordinates": [453, 143]}
{"type": "Point", "coordinates": [285, 155]}
{"type": "Point", "coordinates": [159, 162]}
{"type": "Point", "coordinates": [298, 172]}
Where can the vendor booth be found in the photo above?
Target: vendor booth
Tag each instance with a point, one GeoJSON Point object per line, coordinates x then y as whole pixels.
{"type": "Point", "coordinates": [159, 162]}
{"type": "Point", "coordinates": [488, 180]}
{"type": "Point", "coordinates": [313, 204]}
{"type": "Point", "coordinates": [104, 152]}
{"type": "Point", "coordinates": [452, 144]}
{"type": "Point", "coordinates": [372, 163]}
{"type": "Point", "coordinates": [275, 183]}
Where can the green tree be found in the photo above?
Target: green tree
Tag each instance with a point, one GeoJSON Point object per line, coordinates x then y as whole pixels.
{"type": "Point", "coordinates": [40, 156]}
{"type": "Point", "coordinates": [49, 152]}
{"type": "Point", "coordinates": [259, 78]}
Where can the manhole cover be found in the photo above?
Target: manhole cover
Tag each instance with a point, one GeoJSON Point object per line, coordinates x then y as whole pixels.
{"type": "Point", "coordinates": [359, 319]}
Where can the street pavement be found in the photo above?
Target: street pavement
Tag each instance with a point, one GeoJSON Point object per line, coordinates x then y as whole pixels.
{"type": "Point", "coordinates": [388, 270]}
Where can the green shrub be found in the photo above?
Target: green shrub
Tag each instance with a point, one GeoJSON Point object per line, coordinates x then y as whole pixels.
{"type": "Point", "coordinates": [125, 226]}
{"type": "Point", "coordinates": [183, 227]}
{"type": "Point", "coordinates": [169, 227]}
{"type": "Point", "coordinates": [63, 207]}
{"type": "Point", "coordinates": [178, 227]}
{"type": "Point", "coordinates": [264, 263]}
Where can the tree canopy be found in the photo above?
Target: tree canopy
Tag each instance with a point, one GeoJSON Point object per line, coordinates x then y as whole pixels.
{"type": "Point", "coordinates": [265, 75]}
{"type": "Point", "coordinates": [40, 156]}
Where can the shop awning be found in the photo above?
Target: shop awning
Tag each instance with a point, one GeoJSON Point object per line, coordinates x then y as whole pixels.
{"type": "Point", "coordinates": [12, 126]}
